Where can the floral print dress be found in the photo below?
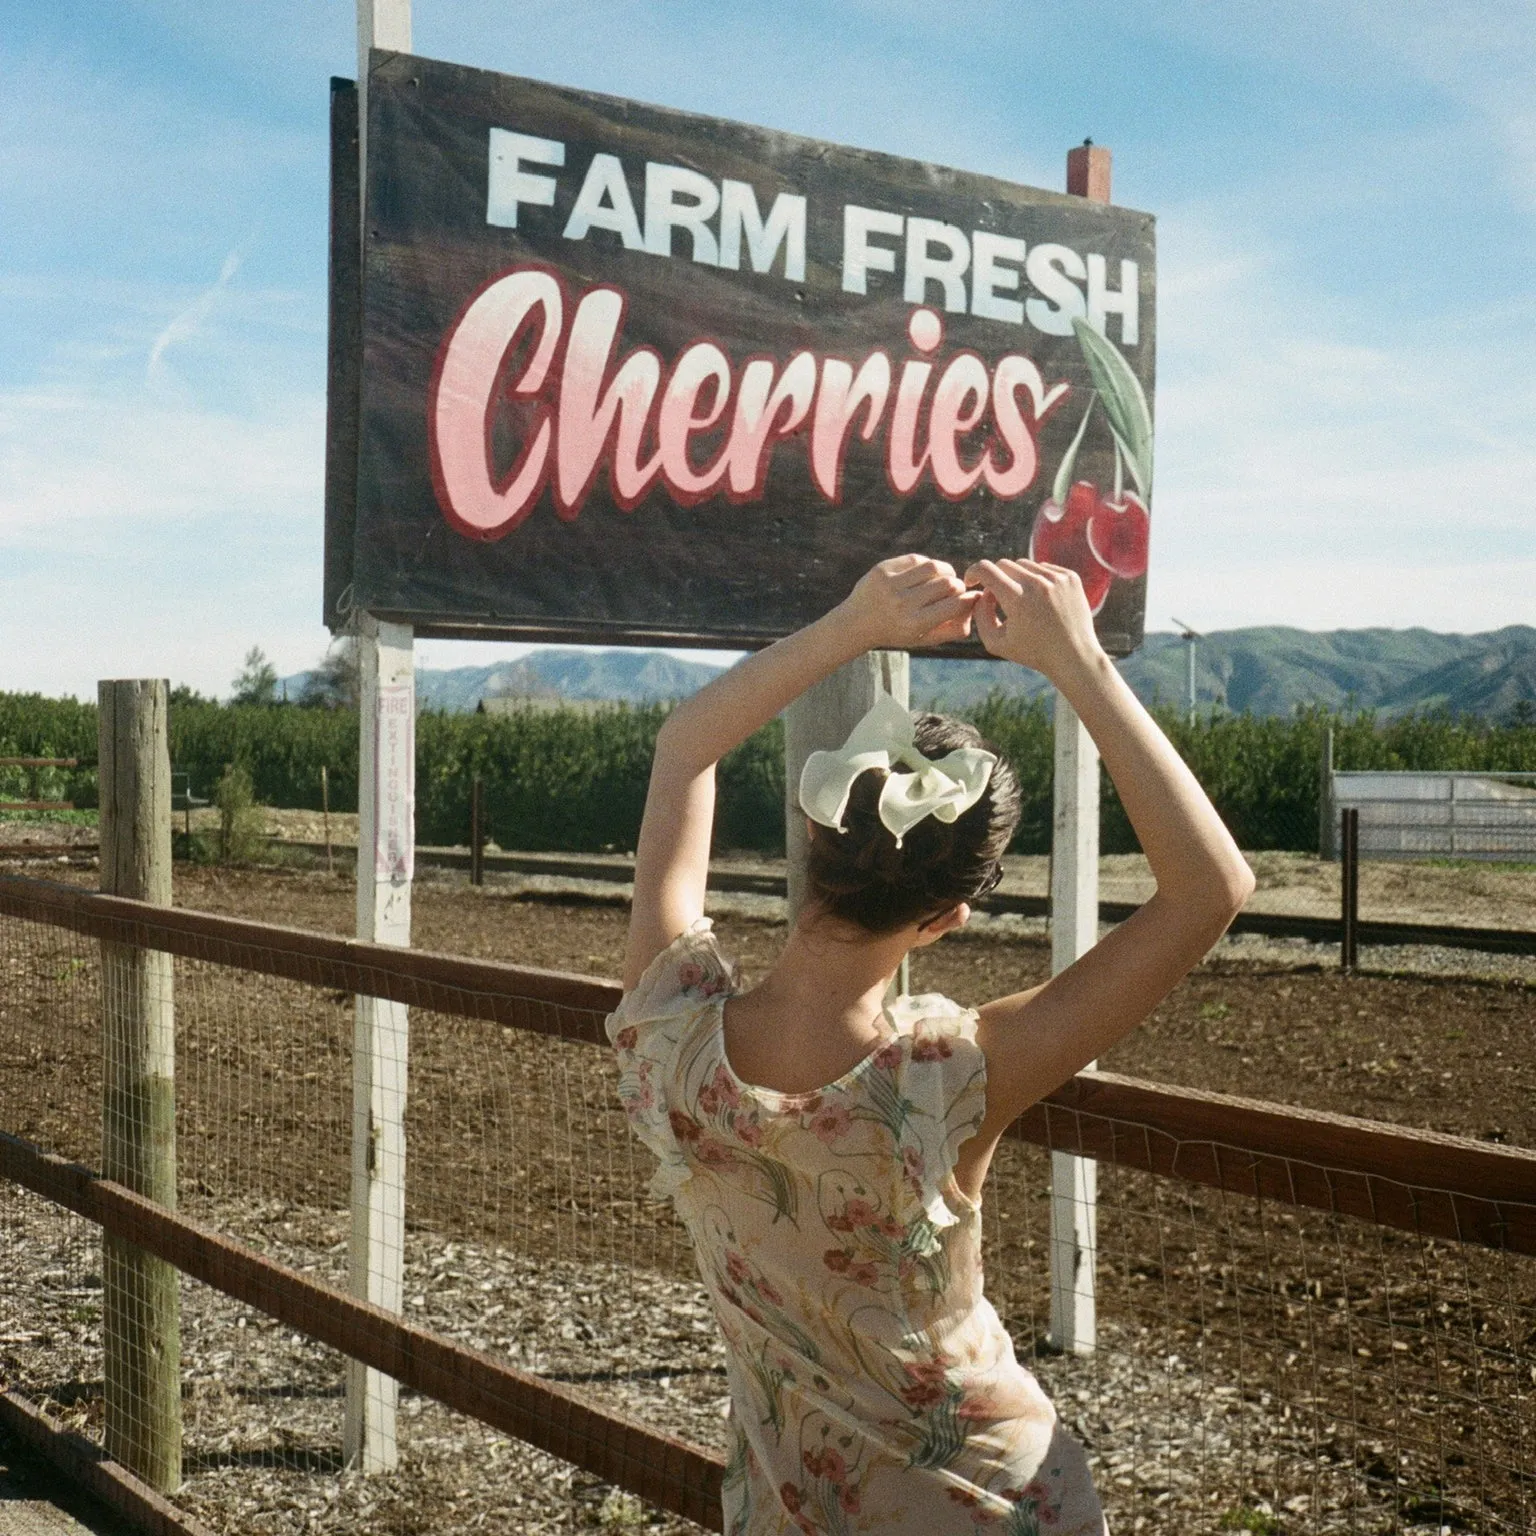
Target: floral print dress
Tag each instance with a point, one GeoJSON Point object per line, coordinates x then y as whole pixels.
{"type": "Point", "coordinates": [873, 1388]}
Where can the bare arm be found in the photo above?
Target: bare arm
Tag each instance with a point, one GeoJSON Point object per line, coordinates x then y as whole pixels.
{"type": "Point", "coordinates": [1037, 1040]}
{"type": "Point", "coordinates": [902, 602]}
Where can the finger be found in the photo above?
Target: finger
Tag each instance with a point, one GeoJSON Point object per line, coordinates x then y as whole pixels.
{"type": "Point", "coordinates": [934, 590]}
{"type": "Point", "coordinates": [923, 569]}
{"type": "Point", "coordinates": [990, 577]}
{"type": "Point", "coordinates": [1031, 570]}
{"type": "Point", "coordinates": [989, 623]}
{"type": "Point", "coordinates": [1004, 563]}
{"type": "Point", "coordinates": [952, 627]}
{"type": "Point", "coordinates": [899, 565]}
{"type": "Point", "coordinates": [945, 609]}
{"type": "Point", "coordinates": [956, 629]}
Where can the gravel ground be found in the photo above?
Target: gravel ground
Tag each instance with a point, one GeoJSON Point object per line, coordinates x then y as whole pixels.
{"type": "Point", "coordinates": [1320, 1376]}
{"type": "Point", "coordinates": [1174, 1446]}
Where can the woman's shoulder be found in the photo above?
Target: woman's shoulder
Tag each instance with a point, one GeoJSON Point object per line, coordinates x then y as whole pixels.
{"type": "Point", "coordinates": [689, 973]}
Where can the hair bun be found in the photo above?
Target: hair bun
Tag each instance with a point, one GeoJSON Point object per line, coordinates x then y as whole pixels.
{"type": "Point", "coordinates": [860, 875]}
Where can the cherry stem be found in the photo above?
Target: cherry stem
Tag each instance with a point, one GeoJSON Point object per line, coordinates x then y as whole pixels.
{"type": "Point", "coordinates": [1119, 474]}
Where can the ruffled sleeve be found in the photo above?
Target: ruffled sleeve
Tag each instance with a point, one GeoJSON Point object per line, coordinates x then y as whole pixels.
{"type": "Point", "coordinates": [944, 1083]}
{"type": "Point", "coordinates": [648, 1029]}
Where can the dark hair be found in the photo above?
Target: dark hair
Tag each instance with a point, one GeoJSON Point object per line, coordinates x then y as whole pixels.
{"type": "Point", "coordinates": [862, 877]}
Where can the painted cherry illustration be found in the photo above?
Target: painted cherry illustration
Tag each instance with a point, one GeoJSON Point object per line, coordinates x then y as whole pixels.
{"type": "Point", "coordinates": [1102, 537]}
{"type": "Point", "coordinates": [1061, 537]}
{"type": "Point", "coordinates": [1118, 534]}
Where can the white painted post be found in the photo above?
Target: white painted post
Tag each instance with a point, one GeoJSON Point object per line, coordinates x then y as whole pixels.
{"type": "Point", "coordinates": [381, 1034]}
{"type": "Point", "coordinates": [1074, 931]}
{"type": "Point", "coordinates": [819, 720]}
{"type": "Point", "coordinates": [386, 838]}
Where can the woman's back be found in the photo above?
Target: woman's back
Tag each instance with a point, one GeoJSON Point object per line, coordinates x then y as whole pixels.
{"type": "Point", "coordinates": [873, 1385]}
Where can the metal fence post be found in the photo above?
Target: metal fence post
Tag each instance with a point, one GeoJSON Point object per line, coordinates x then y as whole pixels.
{"type": "Point", "coordinates": [141, 1311]}
{"type": "Point", "coordinates": [1326, 814]}
{"type": "Point", "coordinates": [1350, 889]}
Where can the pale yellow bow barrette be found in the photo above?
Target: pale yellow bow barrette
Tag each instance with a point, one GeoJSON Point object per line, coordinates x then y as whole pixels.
{"type": "Point", "coordinates": [945, 787]}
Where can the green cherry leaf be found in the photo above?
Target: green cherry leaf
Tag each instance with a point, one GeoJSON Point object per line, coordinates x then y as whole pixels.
{"type": "Point", "coordinates": [1130, 418]}
{"type": "Point", "coordinates": [1069, 461]}
{"type": "Point", "coordinates": [1121, 451]}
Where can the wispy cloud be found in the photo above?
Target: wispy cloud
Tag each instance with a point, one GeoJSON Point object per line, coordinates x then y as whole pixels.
{"type": "Point", "coordinates": [190, 320]}
{"type": "Point", "coordinates": [1308, 477]}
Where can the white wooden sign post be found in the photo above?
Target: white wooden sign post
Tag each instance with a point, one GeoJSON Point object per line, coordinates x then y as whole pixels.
{"type": "Point", "coordinates": [386, 802]}
{"type": "Point", "coordinates": [1074, 931]}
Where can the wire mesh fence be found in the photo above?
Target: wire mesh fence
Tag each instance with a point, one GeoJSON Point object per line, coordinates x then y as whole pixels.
{"type": "Point", "coordinates": [1260, 1364]}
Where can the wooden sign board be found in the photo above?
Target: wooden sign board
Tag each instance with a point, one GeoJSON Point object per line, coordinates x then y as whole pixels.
{"type": "Point", "coordinates": [628, 375]}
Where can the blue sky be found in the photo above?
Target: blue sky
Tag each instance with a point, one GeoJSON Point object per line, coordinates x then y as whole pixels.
{"type": "Point", "coordinates": [1346, 196]}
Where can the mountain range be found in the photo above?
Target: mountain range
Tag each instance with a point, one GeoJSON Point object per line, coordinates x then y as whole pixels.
{"type": "Point", "coordinates": [1267, 671]}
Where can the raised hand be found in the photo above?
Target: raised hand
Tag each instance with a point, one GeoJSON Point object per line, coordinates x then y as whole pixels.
{"type": "Point", "coordinates": [1032, 613]}
{"type": "Point", "coordinates": [909, 601]}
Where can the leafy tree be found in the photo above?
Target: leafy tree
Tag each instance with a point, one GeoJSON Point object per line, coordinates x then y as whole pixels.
{"type": "Point", "coordinates": [241, 824]}
{"type": "Point", "coordinates": [257, 682]}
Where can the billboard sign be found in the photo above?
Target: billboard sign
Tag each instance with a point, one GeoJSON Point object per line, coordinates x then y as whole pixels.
{"type": "Point", "coordinates": [630, 375]}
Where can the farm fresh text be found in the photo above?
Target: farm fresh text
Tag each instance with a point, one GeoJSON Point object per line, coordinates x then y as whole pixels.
{"type": "Point", "coordinates": [974, 272]}
{"type": "Point", "coordinates": [695, 423]}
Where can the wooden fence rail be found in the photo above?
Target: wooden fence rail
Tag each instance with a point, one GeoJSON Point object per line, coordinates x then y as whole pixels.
{"type": "Point", "coordinates": [662, 1469]}
{"type": "Point", "coordinates": [33, 764]}
{"type": "Point", "coordinates": [1418, 1181]}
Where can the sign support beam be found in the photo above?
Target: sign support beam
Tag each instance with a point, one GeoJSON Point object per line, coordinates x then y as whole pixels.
{"type": "Point", "coordinates": [1074, 931]}
{"type": "Point", "coordinates": [381, 1031]}
{"type": "Point", "coordinates": [385, 856]}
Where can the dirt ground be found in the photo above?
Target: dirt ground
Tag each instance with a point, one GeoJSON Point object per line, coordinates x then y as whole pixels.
{"type": "Point", "coordinates": [1471, 894]}
{"type": "Point", "coordinates": [1380, 1367]}
{"type": "Point", "coordinates": [1444, 1053]}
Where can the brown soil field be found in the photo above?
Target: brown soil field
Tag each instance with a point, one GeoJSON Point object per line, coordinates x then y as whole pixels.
{"type": "Point", "coordinates": [1466, 893]}
{"type": "Point", "coordinates": [1443, 1053]}
{"type": "Point", "coordinates": [1323, 1373]}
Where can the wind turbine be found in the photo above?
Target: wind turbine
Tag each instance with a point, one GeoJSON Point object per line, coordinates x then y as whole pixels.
{"type": "Point", "coordinates": [1191, 635]}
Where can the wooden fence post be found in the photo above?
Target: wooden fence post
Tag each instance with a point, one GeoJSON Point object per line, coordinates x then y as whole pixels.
{"type": "Point", "coordinates": [476, 833]}
{"type": "Point", "coordinates": [141, 1321]}
{"type": "Point", "coordinates": [1075, 930]}
{"type": "Point", "coordinates": [325, 811]}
